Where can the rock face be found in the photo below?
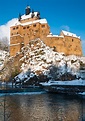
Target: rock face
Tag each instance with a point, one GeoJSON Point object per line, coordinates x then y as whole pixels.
{"type": "Point", "coordinates": [10, 68]}
{"type": "Point", "coordinates": [38, 62]}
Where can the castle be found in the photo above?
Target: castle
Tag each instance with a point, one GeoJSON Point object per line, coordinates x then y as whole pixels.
{"type": "Point", "coordinates": [30, 26]}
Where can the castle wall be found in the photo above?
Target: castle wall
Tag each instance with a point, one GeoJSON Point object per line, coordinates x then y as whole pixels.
{"type": "Point", "coordinates": [44, 31]}
{"type": "Point", "coordinates": [14, 49]}
{"type": "Point", "coordinates": [15, 30]}
{"type": "Point", "coordinates": [16, 39]}
{"type": "Point", "coordinates": [57, 43]}
{"type": "Point", "coordinates": [73, 45]}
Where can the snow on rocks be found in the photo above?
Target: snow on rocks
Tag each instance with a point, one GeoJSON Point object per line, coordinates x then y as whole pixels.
{"type": "Point", "coordinates": [3, 55]}
{"type": "Point", "coordinates": [73, 82]}
{"type": "Point", "coordinates": [41, 59]}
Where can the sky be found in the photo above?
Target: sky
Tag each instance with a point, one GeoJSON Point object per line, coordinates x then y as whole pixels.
{"type": "Point", "coordinates": [61, 14]}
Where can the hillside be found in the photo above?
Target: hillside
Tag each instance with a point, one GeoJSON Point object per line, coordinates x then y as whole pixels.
{"type": "Point", "coordinates": [38, 62]}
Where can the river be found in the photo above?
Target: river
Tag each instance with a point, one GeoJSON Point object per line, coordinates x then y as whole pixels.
{"type": "Point", "coordinates": [41, 106]}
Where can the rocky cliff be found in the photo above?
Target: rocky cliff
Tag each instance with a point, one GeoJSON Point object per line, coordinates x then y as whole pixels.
{"type": "Point", "coordinates": [38, 62]}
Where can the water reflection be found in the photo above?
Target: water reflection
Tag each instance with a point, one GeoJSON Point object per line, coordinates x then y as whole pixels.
{"type": "Point", "coordinates": [43, 107]}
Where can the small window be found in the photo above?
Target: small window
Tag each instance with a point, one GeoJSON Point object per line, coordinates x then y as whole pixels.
{"type": "Point", "coordinates": [17, 27]}
{"type": "Point", "coordinates": [34, 25]}
{"type": "Point", "coordinates": [24, 27]}
{"type": "Point", "coordinates": [43, 26]}
{"type": "Point", "coordinates": [12, 34]}
{"type": "Point", "coordinates": [72, 40]}
{"type": "Point", "coordinates": [27, 27]}
{"type": "Point", "coordinates": [13, 28]}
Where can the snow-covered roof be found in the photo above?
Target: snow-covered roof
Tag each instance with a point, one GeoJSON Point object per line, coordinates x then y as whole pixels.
{"type": "Point", "coordinates": [28, 16]}
{"type": "Point", "coordinates": [42, 21]}
{"type": "Point", "coordinates": [51, 35]}
{"type": "Point", "coordinates": [66, 33]}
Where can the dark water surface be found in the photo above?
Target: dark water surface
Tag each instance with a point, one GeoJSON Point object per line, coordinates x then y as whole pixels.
{"type": "Point", "coordinates": [41, 106]}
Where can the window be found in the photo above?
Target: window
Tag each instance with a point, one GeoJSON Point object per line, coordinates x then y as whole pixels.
{"type": "Point", "coordinates": [43, 26]}
{"type": "Point", "coordinates": [12, 34]}
{"type": "Point", "coordinates": [17, 32]}
{"type": "Point", "coordinates": [72, 40]}
{"type": "Point", "coordinates": [17, 27]}
{"type": "Point", "coordinates": [27, 27]}
{"type": "Point", "coordinates": [24, 27]}
{"type": "Point", "coordinates": [34, 25]}
{"type": "Point", "coordinates": [13, 28]}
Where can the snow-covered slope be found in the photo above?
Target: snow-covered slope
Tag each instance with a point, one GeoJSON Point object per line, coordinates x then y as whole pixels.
{"type": "Point", "coordinates": [3, 55]}
{"type": "Point", "coordinates": [36, 61]}
{"type": "Point", "coordinates": [39, 59]}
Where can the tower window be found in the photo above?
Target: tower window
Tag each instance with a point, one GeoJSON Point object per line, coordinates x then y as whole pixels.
{"type": "Point", "coordinates": [17, 27]}
{"type": "Point", "coordinates": [27, 27]}
{"type": "Point", "coordinates": [13, 28]}
{"type": "Point", "coordinates": [24, 27]}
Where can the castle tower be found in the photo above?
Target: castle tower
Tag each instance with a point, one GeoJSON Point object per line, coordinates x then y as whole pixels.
{"type": "Point", "coordinates": [28, 27]}
{"type": "Point", "coordinates": [27, 10]}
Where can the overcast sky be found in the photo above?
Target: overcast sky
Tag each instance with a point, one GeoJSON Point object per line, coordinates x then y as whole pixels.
{"type": "Point", "coordinates": [61, 14]}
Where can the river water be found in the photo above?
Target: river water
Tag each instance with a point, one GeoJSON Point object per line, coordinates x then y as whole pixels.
{"type": "Point", "coordinates": [41, 106]}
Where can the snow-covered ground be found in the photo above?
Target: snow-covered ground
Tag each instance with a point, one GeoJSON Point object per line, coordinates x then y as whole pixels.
{"type": "Point", "coordinates": [3, 55]}
{"type": "Point", "coordinates": [67, 83]}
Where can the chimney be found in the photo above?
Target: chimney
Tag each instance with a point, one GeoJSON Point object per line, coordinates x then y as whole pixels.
{"type": "Point", "coordinates": [27, 10]}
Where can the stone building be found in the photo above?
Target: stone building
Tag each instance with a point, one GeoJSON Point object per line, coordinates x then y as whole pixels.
{"type": "Point", "coordinates": [30, 26]}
